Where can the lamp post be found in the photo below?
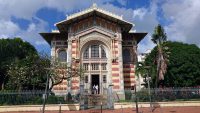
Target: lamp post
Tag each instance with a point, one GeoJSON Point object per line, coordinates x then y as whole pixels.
{"type": "Point", "coordinates": [45, 93]}
{"type": "Point", "coordinates": [149, 91]}
{"type": "Point", "coordinates": [110, 103]}
{"type": "Point", "coordinates": [69, 83]}
{"type": "Point", "coordinates": [136, 99]}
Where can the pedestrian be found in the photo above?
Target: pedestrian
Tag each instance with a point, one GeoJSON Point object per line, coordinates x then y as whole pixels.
{"type": "Point", "coordinates": [96, 87]}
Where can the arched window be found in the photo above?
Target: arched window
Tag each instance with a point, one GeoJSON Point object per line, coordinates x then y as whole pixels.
{"type": "Point", "coordinates": [86, 54]}
{"type": "Point", "coordinates": [103, 53]}
{"type": "Point", "coordinates": [126, 55]}
{"type": "Point", "coordinates": [94, 51]}
{"type": "Point", "coordinates": [62, 55]}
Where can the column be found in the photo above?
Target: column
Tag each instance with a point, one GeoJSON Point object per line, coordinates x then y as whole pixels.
{"type": "Point", "coordinates": [121, 67]}
{"type": "Point", "coordinates": [69, 60]}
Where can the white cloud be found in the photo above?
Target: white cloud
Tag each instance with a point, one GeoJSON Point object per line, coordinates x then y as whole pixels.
{"type": "Point", "coordinates": [74, 5]}
{"type": "Point", "coordinates": [25, 9]}
{"type": "Point", "coordinates": [146, 44]}
{"type": "Point", "coordinates": [145, 19]}
{"type": "Point", "coordinates": [184, 16]}
{"type": "Point", "coordinates": [122, 2]}
{"type": "Point", "coordinates": [8, 28]}
{"type": "Point", "coordinates": [32, 33]}
{"type": "Point", "coordinates": [140, 13]}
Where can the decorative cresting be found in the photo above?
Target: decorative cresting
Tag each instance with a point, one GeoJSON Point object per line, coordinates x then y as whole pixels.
{"type": "Point", "coordinates": [94, 7]}
{"type": "Point", "coordinates": [95, 36]}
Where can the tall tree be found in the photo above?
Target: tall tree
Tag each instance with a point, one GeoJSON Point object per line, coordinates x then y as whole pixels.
{"type": "Point", "coordinates": [26, 74]}
{"type": "Point", "coordinates": [183, 68]}
{"type": "Point", "coordinates": [11, 50]}
{"type": "Point", "coordinates": [159, 37]}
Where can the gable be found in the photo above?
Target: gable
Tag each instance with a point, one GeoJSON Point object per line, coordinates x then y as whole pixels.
{"type": "Point", "coordinates": [64, 25]}
{"type": "Point", "coordinates": [90, 22]}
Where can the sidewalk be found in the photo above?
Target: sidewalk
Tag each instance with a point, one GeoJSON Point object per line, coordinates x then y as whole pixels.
{"type": "Point", "coordinates": [67, 107]}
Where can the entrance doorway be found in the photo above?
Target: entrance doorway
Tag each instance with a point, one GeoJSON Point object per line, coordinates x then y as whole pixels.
{"type": "Point", "coordinates": [95, 82]}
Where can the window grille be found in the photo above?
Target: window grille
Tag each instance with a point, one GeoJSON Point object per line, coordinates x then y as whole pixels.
{"type": "Point", "coordinates": [85, 66]}
{"type": "Point", "coordinates": [95, 66]}
{"type": "Point", "coordinates": [95, 51]}
{"type": "Point", "coordinates": [104, 78]}
{"type": "Point", "coordinates": [86, 79]}
{"type": "Point", "coordinates": [86, 54]}
{"type": "Point", "coordinates": [103, 66]}
{"type": "Point", "coordinates": [62, 56]}
{"type": "Point", "coordinates": [103, 53]}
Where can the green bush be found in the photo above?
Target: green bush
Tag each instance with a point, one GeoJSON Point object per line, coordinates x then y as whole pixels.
{"type": "Point", "coordinates": [128, 95]}
{"type": "Point", "coordinates": [27, 98]}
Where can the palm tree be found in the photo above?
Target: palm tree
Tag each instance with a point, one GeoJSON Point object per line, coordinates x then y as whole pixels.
{"type": "Point", "coordinates": [158, 38]}
{"type": "Point", "coordinates": [141, 71]}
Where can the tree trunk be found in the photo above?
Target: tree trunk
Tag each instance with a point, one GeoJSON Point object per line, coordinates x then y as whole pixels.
{"type": "Point", "coordinates": [2, 86]}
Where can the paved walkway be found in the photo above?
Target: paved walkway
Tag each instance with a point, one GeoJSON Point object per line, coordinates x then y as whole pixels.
{"type": "Point", "coordinates": [132, 110]}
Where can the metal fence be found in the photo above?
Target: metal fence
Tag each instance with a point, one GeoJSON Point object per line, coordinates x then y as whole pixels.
{"type": "Point", "coordinates": [163, 95]}
{"type": "Point", "coordinates": [34, 97]}
{"type": "Point", "coordinates": [104, 101]}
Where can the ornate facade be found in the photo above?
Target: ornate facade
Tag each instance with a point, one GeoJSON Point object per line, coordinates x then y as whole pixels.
{"type": "Point", "coordinates": [102, 43]}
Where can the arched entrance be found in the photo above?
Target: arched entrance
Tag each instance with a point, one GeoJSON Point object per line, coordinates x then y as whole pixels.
{"type": "Point", "coordinates": [95, 61]}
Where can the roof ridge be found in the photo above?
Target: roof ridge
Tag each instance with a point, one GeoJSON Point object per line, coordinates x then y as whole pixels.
{"type": "Point", "coordinates": [94, 8]}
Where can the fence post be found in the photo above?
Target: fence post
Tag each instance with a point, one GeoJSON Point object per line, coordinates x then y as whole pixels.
{"type": "Point", "coordinates": [136, 100]}
{"type": "Point", "coordinates": [60, 108]}
{"type": "Point", "coordinates": [110, 97]}
{"type": "Point", "coordinates": [45, 93]}
{"type": "Point", "coordinates": [82, 99]}
{"type": "Point", "coordinates": [149, 90]}
{"type": "Point", "coordinates": [101, 107]}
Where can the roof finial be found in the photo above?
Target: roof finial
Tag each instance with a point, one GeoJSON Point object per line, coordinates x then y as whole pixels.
{"type": "Point", "coordinates": [94, 5]}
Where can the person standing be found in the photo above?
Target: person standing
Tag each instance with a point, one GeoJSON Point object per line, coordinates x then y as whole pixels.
{"type": "Point", "coordinates": [94, 89]}
{"type": "Point", "coordinates": [97, 87]}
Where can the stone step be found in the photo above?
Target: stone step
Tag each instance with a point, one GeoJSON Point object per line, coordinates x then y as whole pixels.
{"type": "Point", "coordinates": [97, 100]}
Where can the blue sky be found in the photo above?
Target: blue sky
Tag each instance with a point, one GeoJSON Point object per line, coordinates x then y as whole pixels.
{"type": "Point", "coordinates": [27, 18]}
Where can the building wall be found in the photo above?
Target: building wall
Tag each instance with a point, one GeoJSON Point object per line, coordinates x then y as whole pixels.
{"type": "Point", "coordinates": [120, 75]}
{"type": "Point", "coordinates": [129, 65]}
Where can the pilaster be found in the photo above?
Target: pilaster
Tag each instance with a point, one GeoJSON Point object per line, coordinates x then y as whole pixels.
{"type": "Point", "coordinates": [120, 59]}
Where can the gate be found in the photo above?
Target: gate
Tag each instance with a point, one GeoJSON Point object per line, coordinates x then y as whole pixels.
{"type": "Point", "coordinates": [95, 103]}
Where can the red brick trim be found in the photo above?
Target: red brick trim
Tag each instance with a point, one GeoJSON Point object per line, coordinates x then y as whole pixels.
{"type": "Point", "coordinates": [115, 63]}
{"type": "Point", "coordinates": [115, 74]}
{"type": "Point", "coordinates": [75, 87]}
{"type": "Point", "coordinates": [129, 76]}
{"type": "Point", "coordinates": [73, 52]}
{"type": "Point", "coordinates": [116, 87]}
{"type": "Point", "coordinates": [75, 81]}
{"type": "Point", "coordinates": [115, 69]}
{"type": "Point", "coordinates": [128, 82]}
{"type": "Point", "coordinates": [129, 71]}
{"type": "Point", "coordinates": [115, 80]}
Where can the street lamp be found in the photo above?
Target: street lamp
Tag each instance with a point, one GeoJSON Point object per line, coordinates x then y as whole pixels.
{"type": "Point", "coordinates": [149, 91]}
{"type": "Point", "coordinates": [136, 99]}
{"type": "Point", "coordinates": [45, 93]}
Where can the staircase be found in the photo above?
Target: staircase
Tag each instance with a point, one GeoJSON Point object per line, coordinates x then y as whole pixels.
{"type": "Point", "coordinates": [97, 100]}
